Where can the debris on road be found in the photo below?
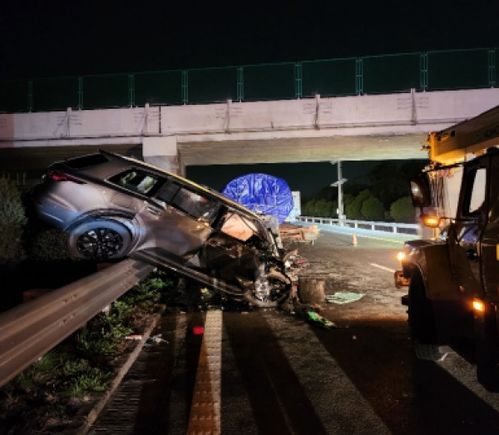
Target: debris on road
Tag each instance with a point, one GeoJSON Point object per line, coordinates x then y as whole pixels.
{"type": "Point", "coordinates": [316, 319]}
{"type": "Point", "coordinates": [312, 289]}
{"type": "Point", "coordinates": [297, 233]}
{"type": "Point", "coordinates": [344, 297]}
{"type": "Point", "coordinates": [156, 339]}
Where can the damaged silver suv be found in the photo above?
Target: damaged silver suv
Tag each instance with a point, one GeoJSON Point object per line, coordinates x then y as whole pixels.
{"type": "Point", "coordinates": [114, 206]}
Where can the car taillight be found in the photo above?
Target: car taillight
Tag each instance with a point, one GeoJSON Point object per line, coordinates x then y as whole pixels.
{"type": "Point", "coordinates": [61, 176]}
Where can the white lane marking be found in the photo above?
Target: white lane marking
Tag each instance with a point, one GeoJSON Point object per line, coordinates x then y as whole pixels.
{"type": "Point", "coordinates": [321, 377]}
{"type": "Point", "coordinates": [379, 266]}
{"type": "Point", "coordinates": [205, 408]}
{"type": "Point", "coordinates": [398, 242]}
{"type": "Point", "coordinates": [465, 373]}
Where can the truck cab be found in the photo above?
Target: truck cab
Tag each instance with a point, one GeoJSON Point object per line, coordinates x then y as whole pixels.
{"type": "Point", "coordinates": [453, 274]}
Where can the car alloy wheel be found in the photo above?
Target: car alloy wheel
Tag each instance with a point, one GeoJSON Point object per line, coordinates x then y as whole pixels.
{"type": "Point", "coordinates": [101, 243]}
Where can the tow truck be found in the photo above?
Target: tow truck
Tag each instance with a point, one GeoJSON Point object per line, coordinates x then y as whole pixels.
{"type": "Point", "coordinates": [453, 274]}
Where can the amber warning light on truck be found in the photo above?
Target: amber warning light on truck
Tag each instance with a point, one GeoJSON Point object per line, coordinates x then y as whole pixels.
{"type": "Point", "coordinates": [430, 221]}
{"type": "Point", "coordinates": [478, 306]}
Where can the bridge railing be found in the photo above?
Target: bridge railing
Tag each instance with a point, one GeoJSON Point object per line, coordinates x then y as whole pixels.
{"type": "Point", "coordinates": [385, 227]}
{"type": "Point", "coordinates": [423, 71]}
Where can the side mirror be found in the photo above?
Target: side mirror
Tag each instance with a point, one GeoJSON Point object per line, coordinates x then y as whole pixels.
{"type": "Point", "coordinates": [420, 191]}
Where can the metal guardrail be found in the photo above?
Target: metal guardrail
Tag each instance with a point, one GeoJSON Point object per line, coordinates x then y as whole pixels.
{"type": "Point", "coordinates": [386, 227]}
{"type": "Point", "coordinates": [30, 330]}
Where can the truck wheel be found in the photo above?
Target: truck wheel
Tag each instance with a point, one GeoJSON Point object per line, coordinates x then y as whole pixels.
{"type": "Point", "coordinates": [487, 354]}
{"type": "Point", "coordinates": [422, 322]}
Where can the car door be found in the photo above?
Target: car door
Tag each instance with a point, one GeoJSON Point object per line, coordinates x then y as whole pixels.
{"type": "Point", "coordinates": [169, 217]}
{"type": "Point", "coordinates": [177, 219]}
{"type": "Point", "coordinates": [465, 234]}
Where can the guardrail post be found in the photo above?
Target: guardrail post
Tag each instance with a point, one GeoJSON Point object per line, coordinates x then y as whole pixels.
{"type": "Point", "coordinates": [359, 76]}
{"type": "Point", "coordinates": [30, 96]}
{"type": "Point", "coordinates": [80, 93]}
{"type": "Point", "coordinates": [394, 228]}
{"type": "Point", "coordinates": [240, 84]}
{"type": "Point", "coordinates": [298, 80]}
{"type": "Point", "coordinates": [492, 68]}
{"type": "Point", "coordinates": [131, 90]}
{"type": "Point", "coordinates": [185, 87]}
{"type": "Point", "coordinates": [423, 71]}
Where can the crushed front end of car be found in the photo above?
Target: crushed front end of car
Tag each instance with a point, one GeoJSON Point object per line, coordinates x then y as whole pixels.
{"type": "Point", "coordinates": [240, 256]}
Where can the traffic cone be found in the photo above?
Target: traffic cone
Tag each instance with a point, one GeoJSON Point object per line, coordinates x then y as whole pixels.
{"type": "Point", "coordinates": [354, 239]}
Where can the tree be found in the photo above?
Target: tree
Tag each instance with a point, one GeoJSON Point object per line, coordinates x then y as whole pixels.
{"type": "Point", "coordinates": [372, 209]}
{"type": "Point", "coordinates": [308, 208]}
{"type": "Point", "coordinates": [353, 208]}
{"type": "Point", "coordinates": [12, 221]}
{"type": "Point", "coordinates": [402, 210]}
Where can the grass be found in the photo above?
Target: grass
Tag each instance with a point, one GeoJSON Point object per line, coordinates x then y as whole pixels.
{"type": "Point", "coordinates": [54, 388]}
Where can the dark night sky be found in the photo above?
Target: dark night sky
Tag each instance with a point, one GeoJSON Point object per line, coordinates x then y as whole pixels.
{"type": "Point", "coordinates": [74, 37]}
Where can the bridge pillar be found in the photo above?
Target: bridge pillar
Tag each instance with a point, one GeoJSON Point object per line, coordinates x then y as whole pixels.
{"type": "Point", "coordinates": [162, 152]}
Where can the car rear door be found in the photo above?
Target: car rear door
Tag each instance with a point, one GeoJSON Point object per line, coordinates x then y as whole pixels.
{"type": "Point", "coordinates": [169, 216]}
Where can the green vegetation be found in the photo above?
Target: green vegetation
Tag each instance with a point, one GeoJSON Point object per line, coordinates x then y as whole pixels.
{"type": "Point", "coordinates": [320, 207]}
{"type": "Point", "coordinates": [49, 245]}
{"type": "Point", "coordinates": [12, 222]}
{"type": "Point", "coordinates": [353, 208]}
{"type": "Point", "coordinates": [83, 365]}
{"type": "Point", "coordinates": [382, 195]}
{"type": "Point", "coordinates": [372, 209]}
{"type": "Point", "coordinates": [402, 210]}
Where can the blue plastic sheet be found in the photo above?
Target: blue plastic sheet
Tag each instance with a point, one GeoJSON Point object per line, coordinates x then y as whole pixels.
{"type": "Point", "coordinates": [262, 193]}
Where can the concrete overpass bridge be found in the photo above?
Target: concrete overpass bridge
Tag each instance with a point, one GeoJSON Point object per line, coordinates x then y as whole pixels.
{"type": "Point", "coordinates": [366, 127]}
{"type": "Point", "coordinates": [376, 108]}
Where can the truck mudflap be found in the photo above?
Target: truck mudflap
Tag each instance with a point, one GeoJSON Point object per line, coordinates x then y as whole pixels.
{"type": "Point", "coordinates": [404, 300]}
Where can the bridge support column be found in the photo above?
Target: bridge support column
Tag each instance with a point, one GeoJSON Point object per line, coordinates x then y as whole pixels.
{"type": "Point", "coordinates": [162, 152]}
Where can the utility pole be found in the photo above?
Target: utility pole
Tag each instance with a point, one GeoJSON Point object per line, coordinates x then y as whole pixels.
{"type": "Point", "coordinates": [339, 183]}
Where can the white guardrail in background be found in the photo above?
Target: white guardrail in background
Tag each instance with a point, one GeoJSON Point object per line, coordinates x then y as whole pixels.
{"type": "Point", "coordinates": [385, 227]}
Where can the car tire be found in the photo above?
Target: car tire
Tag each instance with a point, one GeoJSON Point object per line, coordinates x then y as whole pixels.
{"type": "Point", "coordinates": [275, 300]}
{"type": "Point", "coordinates": [422, 325]}
{"type": "Point", "coordinates": [99, 240]}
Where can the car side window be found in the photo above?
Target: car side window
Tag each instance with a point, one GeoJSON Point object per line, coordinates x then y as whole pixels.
{"type": "Point", "coordinates": [136, 180]}
{"type": "Point", "coordinates": [190, 202]}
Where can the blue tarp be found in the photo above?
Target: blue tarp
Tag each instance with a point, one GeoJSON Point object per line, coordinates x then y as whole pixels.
{"type": "Point", "coordinates": [262, 193]}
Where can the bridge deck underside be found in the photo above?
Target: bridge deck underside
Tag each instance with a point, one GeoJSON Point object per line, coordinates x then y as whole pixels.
{"type": "Point", "coordinates": [295, 150]}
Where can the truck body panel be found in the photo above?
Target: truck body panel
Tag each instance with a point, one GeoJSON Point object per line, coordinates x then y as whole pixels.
{"type": "Point", "coordinates": [453, 277]}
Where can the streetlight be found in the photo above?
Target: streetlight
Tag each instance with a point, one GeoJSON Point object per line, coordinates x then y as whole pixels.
{"type": "Point", "coordinates": [338, 184]}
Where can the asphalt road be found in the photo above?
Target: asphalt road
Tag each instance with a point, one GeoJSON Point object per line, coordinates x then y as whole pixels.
{"type": "Point", "coordinates": [282, 375]}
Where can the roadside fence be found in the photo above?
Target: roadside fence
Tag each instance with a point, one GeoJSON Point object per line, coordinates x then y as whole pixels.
{"type": "Point", "coordinates": [385, 227]}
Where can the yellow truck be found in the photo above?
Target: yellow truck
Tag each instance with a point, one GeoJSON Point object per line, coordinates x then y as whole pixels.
{"type": "Point", "coordinates": [453, 275]}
